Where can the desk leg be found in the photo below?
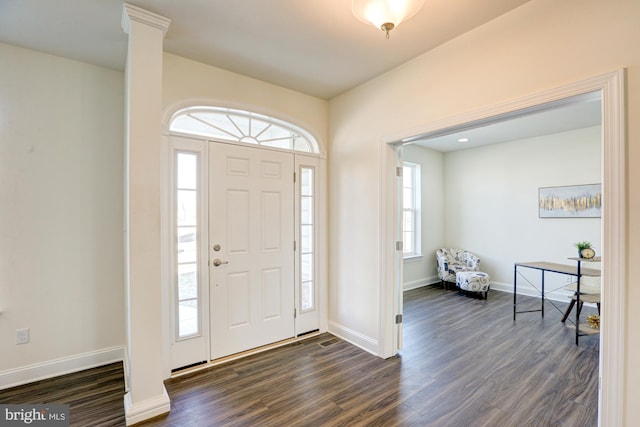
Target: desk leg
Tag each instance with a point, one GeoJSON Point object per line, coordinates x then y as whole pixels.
{"type": "Point", "coordinates": [578, 306]}
{"type": "Point", "coordinates": [542, 293]}
{"type": "Point", "coordinates": [515, 278]}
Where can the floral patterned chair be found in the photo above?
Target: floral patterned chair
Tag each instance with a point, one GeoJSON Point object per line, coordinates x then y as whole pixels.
{"type": "Point", "coordinates": [452, 261]}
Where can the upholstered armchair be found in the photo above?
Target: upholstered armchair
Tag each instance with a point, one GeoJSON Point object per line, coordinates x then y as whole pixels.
{"type": "Point", "coordinates": [451, 261]}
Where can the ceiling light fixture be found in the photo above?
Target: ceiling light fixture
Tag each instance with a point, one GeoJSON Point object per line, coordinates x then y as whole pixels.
{"type": "Point", "coordinates": [463, 140]}
{"type": "Point", "coordinates": [385, 14]}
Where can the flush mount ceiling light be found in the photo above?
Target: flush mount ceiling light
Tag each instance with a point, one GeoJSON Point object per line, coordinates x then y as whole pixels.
{"type": "Point", "coordinates": [385, 14]}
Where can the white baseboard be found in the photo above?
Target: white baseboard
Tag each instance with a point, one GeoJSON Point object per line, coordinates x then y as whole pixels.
{"type": "Point", "coordinates": [366, 343]}
{"type": "Point", "coordinates": [66, 365]}
{"type": "Point", "coordinates": [414, 284]}
{"type": "Point", "coordinates": [560, 295]}
{"type": "Point", "coordinates": [148, 408]}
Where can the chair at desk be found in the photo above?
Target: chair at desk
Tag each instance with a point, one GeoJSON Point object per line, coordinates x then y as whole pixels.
{"type": "Point", "coordinates": [589, 291]}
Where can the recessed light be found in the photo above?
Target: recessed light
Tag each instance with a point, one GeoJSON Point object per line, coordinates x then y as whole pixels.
{"type": "Point", "coordinates": [463, 140]}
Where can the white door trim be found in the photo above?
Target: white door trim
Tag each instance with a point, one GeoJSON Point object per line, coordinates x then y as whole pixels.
{"type": "Point", "coordinates": [612, 340]}
{"type": "Point", "coordinates": [322, 245]}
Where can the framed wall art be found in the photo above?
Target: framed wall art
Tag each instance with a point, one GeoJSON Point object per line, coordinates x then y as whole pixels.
{"type": "Point", "coordinates": [570, 201]}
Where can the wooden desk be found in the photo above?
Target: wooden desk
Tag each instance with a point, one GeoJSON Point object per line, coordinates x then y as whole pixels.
{"type": "Point", "coordinates": [544, 266]}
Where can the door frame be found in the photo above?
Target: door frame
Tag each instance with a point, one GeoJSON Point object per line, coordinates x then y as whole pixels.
{"type": "Point", "coordinates": [612, 339]}
{"type": "Point", "coordinates": [318, 160]}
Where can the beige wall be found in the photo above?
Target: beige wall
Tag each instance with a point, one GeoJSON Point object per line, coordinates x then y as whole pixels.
{"type": "Point", "coordinates": [188, 83]}
{"type": "Point", "coordinates": [61, 221]}
{"type": "Point", "coordinates": [540, 46]}
{"type": "Point", "coordinates": [491, 202]}
{"type": "Point", "coordinates": [485, 200]}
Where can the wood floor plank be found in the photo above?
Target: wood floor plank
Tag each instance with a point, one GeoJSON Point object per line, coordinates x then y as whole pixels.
{"type": "Point", "coordinates": [465, 363]}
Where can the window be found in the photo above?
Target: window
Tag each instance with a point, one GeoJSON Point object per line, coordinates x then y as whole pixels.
{"type": "Point", "coordinates": [411, 210]}
{"type": "Point", "coordinates": [186, 238]}
{"type": "Point", "coordinates": [243, 126]}
{"type": "Point", "coordinates": [307, 228]}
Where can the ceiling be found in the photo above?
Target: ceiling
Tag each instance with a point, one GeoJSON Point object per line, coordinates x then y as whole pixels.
{"type": "Point", "coordinates": [317, 47]}
{"type": "Point", "coordinates": [577, 112]}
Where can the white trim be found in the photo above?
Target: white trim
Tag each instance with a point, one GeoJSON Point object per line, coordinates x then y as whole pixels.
{"type": "Point", "coordinates": [559, 295]}
{"type": "Point", "coordinates": [149, 408]}
{"type": "Point", "coordinates": [64, 365]}
{"type": "Point", "coordinates": [614, 229]}
{"type": "Point", "coordinates": [415, 284]}
{"type": "Point", "coordinates": [391, 264]}
{"type": "Point", "coordinates": [614, 232]}
{"type": "Point", "coordinates": [137, 14]}
{"type": "Point", "coordinates": [364, 342]}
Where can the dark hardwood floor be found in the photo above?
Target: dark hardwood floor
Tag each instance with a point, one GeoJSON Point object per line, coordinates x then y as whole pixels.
{"type": "Point", "coordinates": [94, 396]}
{"type": "Point", "coordinates": [464, 363]}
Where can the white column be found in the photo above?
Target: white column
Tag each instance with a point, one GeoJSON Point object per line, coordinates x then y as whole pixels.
{"type": "Point", "coordinates": [146, 395]}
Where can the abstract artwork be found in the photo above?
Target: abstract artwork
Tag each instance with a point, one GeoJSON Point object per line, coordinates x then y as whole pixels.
{"type": "Point", "coordinates": [572, 201]}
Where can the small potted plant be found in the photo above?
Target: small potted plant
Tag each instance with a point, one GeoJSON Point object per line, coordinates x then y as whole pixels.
{"type": "Point", "coordinates": [581, 248]}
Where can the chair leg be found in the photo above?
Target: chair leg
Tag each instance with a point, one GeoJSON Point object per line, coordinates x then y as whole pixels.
{"type": "Point", "coordinates": [580, 304]}
{"type": "Point", "coordinates": [566, 313]}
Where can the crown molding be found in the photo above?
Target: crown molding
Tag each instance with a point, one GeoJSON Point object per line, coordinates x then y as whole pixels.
{"type": "Point", "coordinates": [137, 14]}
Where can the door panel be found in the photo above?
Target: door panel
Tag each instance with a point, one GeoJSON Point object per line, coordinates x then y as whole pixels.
{"type": "Point", "coordinates": [251, 218]}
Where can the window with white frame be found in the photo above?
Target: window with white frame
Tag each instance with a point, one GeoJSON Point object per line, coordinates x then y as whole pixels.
{"type": "Point", "coordinates": [307, 232]}
{"type": "Point", "coordinates": [186, 236]}
{"type": "Point", "coordinates": [411, 210]}
{"type": "Point", "coordinates": [224, 124]}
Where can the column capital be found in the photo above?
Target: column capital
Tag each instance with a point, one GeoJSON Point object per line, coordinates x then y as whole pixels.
{"type": "Point", "coordinates": [135, 13]}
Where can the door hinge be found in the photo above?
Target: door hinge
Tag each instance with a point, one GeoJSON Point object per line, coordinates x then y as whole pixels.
{"type": "Point", "coordinates": [295, 246]}
{"type": "Point", "coordinates": [399, 245]}
{"type": "Point", "coordinates": [295, 313]}
{"type": "Point", "coordinates": [398, 319]}
{"type": "Point", "coordinates": [398, 171]}
{"type": "Point", "coordinates": [294, 177]}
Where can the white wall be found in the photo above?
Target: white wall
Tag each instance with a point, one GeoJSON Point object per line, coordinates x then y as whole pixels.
{"type": "Point", "coordinates": [491, 201]}
{"type": "Point", "coordinates": [61, 221]}
{"type": "Point", "coordinates": [424, 270]}
{"type": "Point", "coordinates": [541, 45]}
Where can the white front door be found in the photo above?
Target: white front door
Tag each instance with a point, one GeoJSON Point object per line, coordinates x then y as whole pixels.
{"type": "Point", "coordinates": [251, 247]}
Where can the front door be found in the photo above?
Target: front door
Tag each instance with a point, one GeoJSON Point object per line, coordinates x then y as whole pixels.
{"type": "Point", "coordinates": [251, 247]}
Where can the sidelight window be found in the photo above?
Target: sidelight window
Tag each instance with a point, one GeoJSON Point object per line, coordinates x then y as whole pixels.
{"type": "Point", "coordinates": [186, 242]}
{"type": "Point", "coordinates": [307, 232]}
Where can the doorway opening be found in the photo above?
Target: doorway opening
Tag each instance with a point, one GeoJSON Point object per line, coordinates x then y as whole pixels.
{"type": "Point", "coordinates": [610, 88]}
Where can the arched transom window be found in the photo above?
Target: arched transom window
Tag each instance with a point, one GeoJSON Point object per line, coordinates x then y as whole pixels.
{"type": "Point", "coordinates": [243, 126]}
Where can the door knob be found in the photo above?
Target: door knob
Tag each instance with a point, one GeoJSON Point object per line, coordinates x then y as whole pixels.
{"type": "Point", "coordinates": [218, 263]}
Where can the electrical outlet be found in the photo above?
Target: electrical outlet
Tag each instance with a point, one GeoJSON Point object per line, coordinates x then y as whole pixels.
{"type": "Point", "coordinates": [22, 336]}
